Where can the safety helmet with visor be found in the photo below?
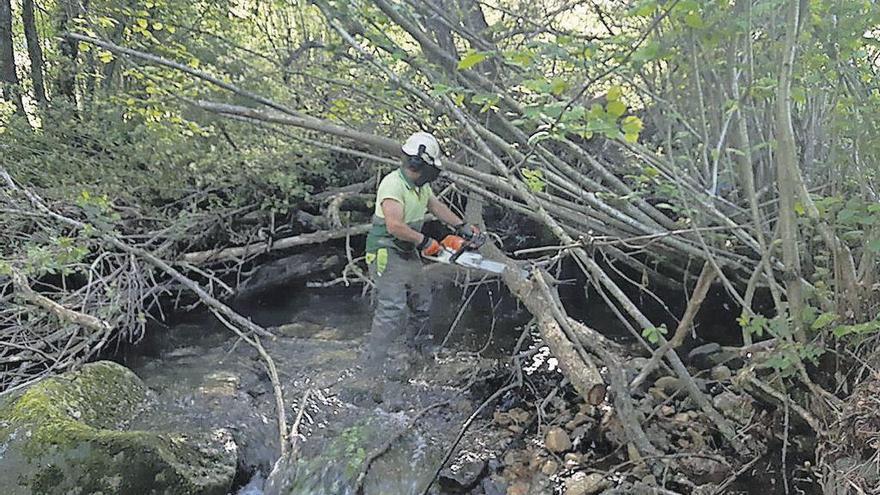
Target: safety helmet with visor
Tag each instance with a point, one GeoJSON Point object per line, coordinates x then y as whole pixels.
{"type": "Point", "coordinates": [422, 154]}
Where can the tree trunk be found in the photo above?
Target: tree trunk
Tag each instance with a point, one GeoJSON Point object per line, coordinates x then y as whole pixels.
{"type": "Point", "coordinates": [786, 167]}
{"type": "Point", "coordinates": [8, 75]}
{"type": "Point", "coordinates": [66, 82]}
{"type": "Point", "coordinates": [35, 51]}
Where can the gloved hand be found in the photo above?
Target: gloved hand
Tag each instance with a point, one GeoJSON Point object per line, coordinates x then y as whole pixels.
{"type": "Point", "coordinates": [467, 230]}
{"type": "Point", "coordinates": [429, 247]}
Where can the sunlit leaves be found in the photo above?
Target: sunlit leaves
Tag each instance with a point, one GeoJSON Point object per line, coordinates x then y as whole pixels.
{"type": "Point", "coordinates": [105, 56]}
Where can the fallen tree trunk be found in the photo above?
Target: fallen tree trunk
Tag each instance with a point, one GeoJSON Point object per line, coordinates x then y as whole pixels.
{"type": "Point", "coordinates": [243, 252]}
{"type": "Point", "coordinates": [287, 270]}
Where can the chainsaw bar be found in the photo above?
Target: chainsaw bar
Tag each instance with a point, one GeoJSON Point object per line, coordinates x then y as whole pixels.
{"type": "Point", "coordinates": [470, 259]}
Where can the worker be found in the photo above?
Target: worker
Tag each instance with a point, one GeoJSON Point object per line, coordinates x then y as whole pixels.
{"type": "Point", "coordinates": [395, 246]}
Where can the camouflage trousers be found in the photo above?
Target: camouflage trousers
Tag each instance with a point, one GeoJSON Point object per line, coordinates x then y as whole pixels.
{"type": "Point", "coordinates": [402, 304]}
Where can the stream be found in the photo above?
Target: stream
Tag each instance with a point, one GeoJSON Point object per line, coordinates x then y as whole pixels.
{"type": "Point", "coordinates": [201, 376]}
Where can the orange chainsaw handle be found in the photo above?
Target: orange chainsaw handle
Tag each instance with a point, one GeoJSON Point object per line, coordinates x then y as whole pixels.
{"type": "Point", "coordinates": [458, 245]}
{"type": "Point", "coordinates": [454, 243]}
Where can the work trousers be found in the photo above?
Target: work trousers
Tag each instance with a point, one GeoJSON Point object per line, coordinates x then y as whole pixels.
{"type": "Point", "coordinates": [402, 304]}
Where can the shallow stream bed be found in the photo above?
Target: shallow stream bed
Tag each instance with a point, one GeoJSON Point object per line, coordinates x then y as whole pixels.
{"type": "Point", "coordinates": [202, 377]}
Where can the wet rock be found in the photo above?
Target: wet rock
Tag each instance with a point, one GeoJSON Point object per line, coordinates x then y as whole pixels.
{"type": "Point", "coordinates": [668, 384]}
{"type": "Point", "coordinates": [721, 373]}
{"type": "Point", "coordinates": [709, 355]}
{"type": "Point", "coordinates": [703, 352]}
{"type": "Point", "coordinates": [585, 484]}
{"type": "Point", "coordinates": [492, 486]}
{"type": "Point", "coordinates": [64, 435]}
{"type": "Point", "coordinates": [463, 477]}
{"type": "Point", "coordinates": [556, 440]}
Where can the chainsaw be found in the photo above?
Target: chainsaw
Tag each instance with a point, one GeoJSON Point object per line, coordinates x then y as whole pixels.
{"type": "Point", "coordinates": [457, 250]}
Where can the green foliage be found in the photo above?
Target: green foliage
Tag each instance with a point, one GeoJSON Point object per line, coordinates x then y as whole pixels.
{"type": "Point", "coordinates": [653, 334]}
{"type": "Point", "coordinates": [865, 329]}
{"type": "Point", "coordinates": [534, 179]}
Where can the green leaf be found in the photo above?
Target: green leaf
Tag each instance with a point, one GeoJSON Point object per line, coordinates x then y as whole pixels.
{"type": "Point", "coordinates": [650, 51]}
{"type": "Point", "coordinates": [616, 108]}
{"type": "Point", "coordinates": [823, 321]}
{"type": "Point", "coordinates": [472, 59]}
{"type": "Point", "coordinates": [632, 125]}
{"type": "Point", "coordinates": [614, 93]}
{"type": "Point", "coordinates": [142, 23]}
{"type": "Point", "coordinates": [558, 86]}
{"type": "Point", "coordinates": [537, 85]}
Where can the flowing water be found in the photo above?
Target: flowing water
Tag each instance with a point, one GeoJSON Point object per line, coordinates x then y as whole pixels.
{"type": "Point", "coordinates": [203, 377]}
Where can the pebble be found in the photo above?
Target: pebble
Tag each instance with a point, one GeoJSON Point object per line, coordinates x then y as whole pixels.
{"type": "Point", "coordinates": [585, 484]}
{"type": "Point", "coordinates": [518, 488]}
{"type": "Point", "coordinates": [668, 384]}
{"type": "Point", "coordinates": [682, 417]}
{"type": "Point", "coordinates": [657, 394]}
{"type": "Point", "coordinates": [578, 420]}
{"type": "Point", "coordinates": [550, 467]}
{"type": "Point", "coordinates": [726, 402]}
{"type": "Point", "coordinates": [572, 459]}
{"type": "Point", "coordinates": [556, 440]}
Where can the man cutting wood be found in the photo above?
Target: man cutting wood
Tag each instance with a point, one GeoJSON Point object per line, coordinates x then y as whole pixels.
{"type": "Point", "coordinates": [395, 245]}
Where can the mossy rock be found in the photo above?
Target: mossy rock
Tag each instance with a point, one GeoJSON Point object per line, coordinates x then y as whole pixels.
{"type": "Point", "coordinates": [65, 435]}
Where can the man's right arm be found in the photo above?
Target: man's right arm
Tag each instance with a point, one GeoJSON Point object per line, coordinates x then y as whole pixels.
{"type": "Point", "coordinates": [393, 211]}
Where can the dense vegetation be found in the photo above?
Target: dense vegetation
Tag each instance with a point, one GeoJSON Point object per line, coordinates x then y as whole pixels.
{"type": "Point", "coordinates": [662, 145]}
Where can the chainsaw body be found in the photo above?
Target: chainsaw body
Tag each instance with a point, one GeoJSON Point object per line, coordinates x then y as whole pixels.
{"type": "Point", "coordinates": [460, 251]}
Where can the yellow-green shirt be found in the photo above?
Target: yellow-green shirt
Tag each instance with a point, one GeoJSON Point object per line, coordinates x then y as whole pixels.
{"type": "Point", "coordinates": [414, 199]}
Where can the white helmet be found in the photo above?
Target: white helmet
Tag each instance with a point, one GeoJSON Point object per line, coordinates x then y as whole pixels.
{"type": "Point", "coordinates": [425, 146]}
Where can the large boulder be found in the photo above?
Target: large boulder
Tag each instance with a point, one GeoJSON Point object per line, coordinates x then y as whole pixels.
{"type": "Point", "coordinates": [66, 435]}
